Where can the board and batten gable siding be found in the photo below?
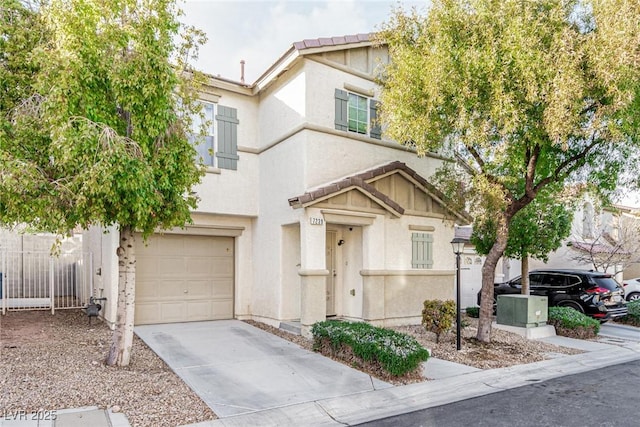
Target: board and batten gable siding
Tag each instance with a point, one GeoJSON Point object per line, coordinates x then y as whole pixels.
{"type": "Point", "coordinates": [227, 154]}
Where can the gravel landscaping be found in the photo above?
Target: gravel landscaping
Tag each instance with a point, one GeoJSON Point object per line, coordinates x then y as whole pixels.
{"type": "Point", "coordinates": [506, 348]}
{"type": "Point", "coordinates": [52, 362]}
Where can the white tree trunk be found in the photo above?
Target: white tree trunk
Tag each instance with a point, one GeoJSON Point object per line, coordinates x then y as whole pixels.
{"type": "Point", "coordinates": [120, 351]}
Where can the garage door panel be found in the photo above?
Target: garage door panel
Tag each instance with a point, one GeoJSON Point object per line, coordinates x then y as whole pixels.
{"type": "Point", "coordinates": [223, 288]}
{"type": "Point", "coordinates": [144, 287]}
{"type": "Point", "coordinates": [200, 266]}
{"type": "Point", "coordinates": [168, 245]}
{"type": "Point", "coordinates": [199, 310]}
{"type": "Point", "coordinates": [146, 313]}
{"type": "Point", "coordinates": [145, 266]}
{"type": "Point", "coordinates": [198, 245]}
{"type": "Point", "coordinates": [222, 266]}
{"type": "Point", "coordinates": [170, 289]}
{"type": "Point", "coordinates": [169, 265]}
{"type": "Point", "coordinates": [200, 289]}
{"type": "Point", "coordinates": [222, 309]}
{"type": "Point", "coordinates": [173, 311]}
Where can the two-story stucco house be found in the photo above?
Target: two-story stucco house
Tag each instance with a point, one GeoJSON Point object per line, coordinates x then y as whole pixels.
{"type": "Point", "coordinates": [306, 210]}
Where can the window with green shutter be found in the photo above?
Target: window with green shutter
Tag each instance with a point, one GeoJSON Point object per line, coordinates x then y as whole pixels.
{"type": "Point", "coordinates": [215, 136]}
{"type": "Point", "coordinates": [357, 113]}
{"type": "Point", "coordinates": [421, 250]}
{"type": "Point", "coordinates": [227, 154]}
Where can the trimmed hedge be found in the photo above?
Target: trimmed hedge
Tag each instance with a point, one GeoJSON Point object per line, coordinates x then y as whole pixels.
{"type": "Point", "coordinates": [572, 323]}
{"type": "Point", "coordinates": [633, 317]}
{"type": "Point", "coordinates": [396, 353]}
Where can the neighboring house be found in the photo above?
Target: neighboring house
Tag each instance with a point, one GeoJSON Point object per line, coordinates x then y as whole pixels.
{"type": "Point", "coordinates": [608, 235]}
{"type": "Point", "coordinates": [306, 210]}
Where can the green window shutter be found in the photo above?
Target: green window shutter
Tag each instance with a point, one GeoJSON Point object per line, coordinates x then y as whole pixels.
{"type": "Point", "coordinates": [376, 129]}
{"type": "Point", "coordinates": [227, 153]}
{"type": "Point", "coordinates": [421, 250]}
{"type": "Point", "coordinates": [341, 121]}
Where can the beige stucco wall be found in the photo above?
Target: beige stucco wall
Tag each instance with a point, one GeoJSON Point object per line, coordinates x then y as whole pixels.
{"type": "Point", "coordinates": [396, 297]}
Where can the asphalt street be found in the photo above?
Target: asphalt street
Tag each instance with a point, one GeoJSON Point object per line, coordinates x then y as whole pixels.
{"type": "Point", "coordinates": [605, 397]}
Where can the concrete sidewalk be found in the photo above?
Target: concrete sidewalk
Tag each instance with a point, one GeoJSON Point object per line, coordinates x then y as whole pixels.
{"type": "Point", "coordinates": [77, 417]}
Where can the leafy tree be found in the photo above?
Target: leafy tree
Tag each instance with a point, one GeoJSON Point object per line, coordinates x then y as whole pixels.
{"type": "Point", "coordinates": [529, 95]}
{"type": "Point", "coordinates": [535, 231]}
{"type": "Point", "coordinates": [96, 131]}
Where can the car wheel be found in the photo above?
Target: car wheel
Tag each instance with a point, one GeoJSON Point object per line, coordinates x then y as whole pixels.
{"type": "Point", "coordinates": [571, 304]}
{"type": "Point", "coordinates": [633, 296]}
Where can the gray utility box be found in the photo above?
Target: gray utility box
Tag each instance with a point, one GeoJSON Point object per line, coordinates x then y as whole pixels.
{"type": "Point", "coordinates": [525, 311]}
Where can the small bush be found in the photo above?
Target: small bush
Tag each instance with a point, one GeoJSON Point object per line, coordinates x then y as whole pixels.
{"type": "Point", "coordinates": [473, 312]}
{"type": "Point", "coordinates": [438, 316]}
{"type": "Point", "coordinates": [396, 353]}
{"type": "Point", "coordinates": [633, 317]}
{"type": "Point", "coordinates": [572, 323]}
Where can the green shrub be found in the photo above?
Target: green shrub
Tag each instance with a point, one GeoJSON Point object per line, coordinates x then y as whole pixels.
{"type": "Point", "coordinates": [473, 312]}
{"type": "Point", "coordinates": [572, 323]}
{"type": "Point", "coordinates": [634, 308]}
{"type": "Point", "coordinates": [396, 353]}
{"type": "Point", "coordinates": [633, 317]}
{"type": "Point", "coordinates": [438, 316]}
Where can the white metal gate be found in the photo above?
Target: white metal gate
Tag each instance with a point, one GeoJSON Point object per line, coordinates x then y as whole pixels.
{"type": "Point", "coordinates": [40, 281]}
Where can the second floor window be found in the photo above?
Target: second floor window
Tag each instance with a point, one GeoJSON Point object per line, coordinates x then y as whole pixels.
{"type": "Point", "coordinates": [202, 134]}
{"type": "Point", "coordinates": [214, 135]}
{"type": "Point", "coordinates": [357, 113]}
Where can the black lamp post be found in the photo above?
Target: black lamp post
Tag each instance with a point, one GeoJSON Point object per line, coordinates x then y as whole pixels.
{"type": "Point", "coordinates": [458, 246]}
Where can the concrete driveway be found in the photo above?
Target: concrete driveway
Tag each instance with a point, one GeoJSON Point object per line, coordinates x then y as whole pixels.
{"type": "Point", "coordinates": [237, 368]}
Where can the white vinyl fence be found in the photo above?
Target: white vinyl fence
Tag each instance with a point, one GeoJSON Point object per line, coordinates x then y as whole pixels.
{"type": "Point", "coordinates": [40, 281]}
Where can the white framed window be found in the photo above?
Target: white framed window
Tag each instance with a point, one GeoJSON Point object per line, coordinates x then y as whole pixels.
{"type": "Point", "coordinates": [214, 135]}
{"type": "Point", "coordinates": [203, 134]}
{"type": "Point", "coordinates": [357, 113]}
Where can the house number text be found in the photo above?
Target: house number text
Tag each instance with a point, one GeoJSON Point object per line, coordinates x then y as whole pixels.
{"type": "Point", "coordinates": [316, 221]}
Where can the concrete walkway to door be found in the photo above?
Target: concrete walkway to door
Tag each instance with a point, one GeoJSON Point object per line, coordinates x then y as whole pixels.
{"type": "Point", "coordinates": [237, 368]}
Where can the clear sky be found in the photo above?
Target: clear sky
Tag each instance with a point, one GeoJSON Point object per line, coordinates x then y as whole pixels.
{"type": "Point", "coordinates": [261, 31]}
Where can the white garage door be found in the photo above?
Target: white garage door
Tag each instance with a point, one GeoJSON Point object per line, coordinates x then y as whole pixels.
{"type": "Point", "coordinates": [181, 278]}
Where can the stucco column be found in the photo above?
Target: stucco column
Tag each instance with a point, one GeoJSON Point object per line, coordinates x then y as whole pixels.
{"type": "Point", "coordinates": [373, 244]}
{"type": "Point", "coordinates": [313, 271]}
{"type": "Point", "coordinates": [373, 263]}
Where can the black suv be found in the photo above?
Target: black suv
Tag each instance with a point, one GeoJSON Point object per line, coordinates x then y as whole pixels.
{"type": "Point", "coordinates": [593, 293]}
